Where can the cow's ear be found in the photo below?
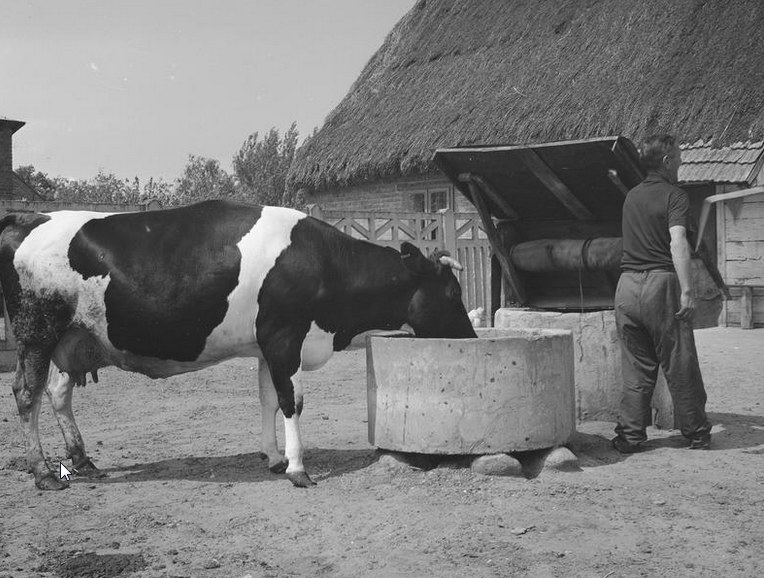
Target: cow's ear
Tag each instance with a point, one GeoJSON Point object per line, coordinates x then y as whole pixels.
{"type": "Point", "coordinates": [414, 261]}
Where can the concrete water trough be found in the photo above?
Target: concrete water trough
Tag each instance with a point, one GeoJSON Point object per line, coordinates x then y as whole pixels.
{"type": "Point", "coordinates": [508, 390]}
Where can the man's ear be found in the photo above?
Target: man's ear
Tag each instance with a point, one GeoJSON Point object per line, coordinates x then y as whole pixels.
{"type": "Point", "coordinates": [415, 261]}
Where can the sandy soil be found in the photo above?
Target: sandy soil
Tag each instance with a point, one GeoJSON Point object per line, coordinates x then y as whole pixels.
{"type": "Point", "coordinates": [187, 495]}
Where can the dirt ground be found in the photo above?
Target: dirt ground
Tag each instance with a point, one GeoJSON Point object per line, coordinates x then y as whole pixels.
{"type": "Point", "coordinates": [186, 494]}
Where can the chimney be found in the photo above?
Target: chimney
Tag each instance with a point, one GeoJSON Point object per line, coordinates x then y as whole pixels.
{"type": "Point", "coordinates": [7, 128]}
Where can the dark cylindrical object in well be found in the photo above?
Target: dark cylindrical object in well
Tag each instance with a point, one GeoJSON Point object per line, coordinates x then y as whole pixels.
{"type": "Point", "coordinates": [548, 255]}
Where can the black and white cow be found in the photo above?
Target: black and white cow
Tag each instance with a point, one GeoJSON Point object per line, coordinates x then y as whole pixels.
{"type": "Point", "coordinates": [167, 292]}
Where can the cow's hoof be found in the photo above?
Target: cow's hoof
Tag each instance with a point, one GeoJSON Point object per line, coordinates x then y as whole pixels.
{"type": "Point", "coordinates": [279, 467]}
{"type": "Point", "coordinates": [300, 479]}
{"type": "Point", "coordinates": [50, 481]}
{"type": "Point", "coordinates": [87, 469]}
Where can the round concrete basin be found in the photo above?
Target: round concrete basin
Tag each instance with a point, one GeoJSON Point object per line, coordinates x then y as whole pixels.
{"type": "Point", "coordinates": [508, 390]}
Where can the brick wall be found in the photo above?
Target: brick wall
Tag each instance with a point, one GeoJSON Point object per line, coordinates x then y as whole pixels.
{"type": "Point", "coordinates": [395, 195]}
{"type": "Point", "coordinates": [371, 197]}
{"type": "Point", "coordinates": [7, 128]}
{"type": "Point", "coordinates": [6, 162]}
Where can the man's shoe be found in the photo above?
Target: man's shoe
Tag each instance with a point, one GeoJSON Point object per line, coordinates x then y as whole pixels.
{"type": "Point", "coordinates": [625, 447]}
{"type": "Point", "coordinates": [703, 443]}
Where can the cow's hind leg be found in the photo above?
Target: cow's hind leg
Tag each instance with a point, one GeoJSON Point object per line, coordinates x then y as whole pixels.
{"type": "Point", "coordinates": [59, 390]}
{"type": "Point", "coordinates": [31, 377]}
{"type": "Point", "coordinates": [269, 405]}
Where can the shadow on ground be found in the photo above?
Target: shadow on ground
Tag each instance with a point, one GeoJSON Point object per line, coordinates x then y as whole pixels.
{"type": "Point", "coordinates": [730, 432]}
{"type": "Point", "coordinates": [78, 564]}
{"type": "Point", "coordinates": [321, 464]}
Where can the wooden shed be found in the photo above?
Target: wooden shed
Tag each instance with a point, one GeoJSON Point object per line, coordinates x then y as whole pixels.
{"type": "Point", "coordinates": [458, 73]}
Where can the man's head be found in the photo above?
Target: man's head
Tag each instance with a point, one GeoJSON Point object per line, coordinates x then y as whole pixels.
{"type": "Point", "coordinates": [660, 153]}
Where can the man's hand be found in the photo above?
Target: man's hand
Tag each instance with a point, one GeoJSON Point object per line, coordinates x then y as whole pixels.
{"type": "Point", "coordinates": [687, 310]}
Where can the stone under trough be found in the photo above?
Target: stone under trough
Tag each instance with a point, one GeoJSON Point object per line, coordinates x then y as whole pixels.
{"type": "Point", "coordinates": [505, 391]}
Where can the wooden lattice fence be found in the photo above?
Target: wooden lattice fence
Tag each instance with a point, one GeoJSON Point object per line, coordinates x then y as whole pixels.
{"type": "Point", "coordinates": [461, 234]}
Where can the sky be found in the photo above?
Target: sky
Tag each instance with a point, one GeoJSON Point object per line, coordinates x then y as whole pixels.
{"type": "Point", "coordinates": [132, 88]}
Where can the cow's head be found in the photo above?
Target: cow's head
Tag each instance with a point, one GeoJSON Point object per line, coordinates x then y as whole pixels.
{"type": "Point", "coordinates": [436, 308]}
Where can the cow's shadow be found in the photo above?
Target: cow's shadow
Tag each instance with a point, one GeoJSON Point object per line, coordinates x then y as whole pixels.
{"type": "Point", "coordinates": [731, 432]}
{"type": "Point", "coordinates": [321, 464]}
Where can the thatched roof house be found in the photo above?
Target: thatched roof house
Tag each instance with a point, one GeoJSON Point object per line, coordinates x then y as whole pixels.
{"type": "Point", "coordinates": [457, 73]}
{"type": "Point", "coordinates": [464, 72]}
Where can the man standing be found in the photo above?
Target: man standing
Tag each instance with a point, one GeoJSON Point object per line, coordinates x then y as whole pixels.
{"type": "Point", "coordinates": [654, 303]}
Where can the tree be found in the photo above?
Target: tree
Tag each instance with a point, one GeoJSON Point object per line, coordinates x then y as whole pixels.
{"type": "Point", "coordinates": [261, 166]}
{"type": "Point", "coordinates": [108, 188]}
{"type": "Point", "coordinates": [103, 188]}
{"type": "Point", "coordinates": [203, 179]}
{"type": "Point", "coordinates": [157, 189]}
{"type": "Point", "coordinates": [38, 180]}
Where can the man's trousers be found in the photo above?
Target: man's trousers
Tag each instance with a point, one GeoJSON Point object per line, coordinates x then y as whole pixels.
{"type": "Point", "coordinates": [651, 337]}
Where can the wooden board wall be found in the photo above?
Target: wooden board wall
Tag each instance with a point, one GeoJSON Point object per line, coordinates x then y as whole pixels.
{"type": "Point", "coordinates": [740, 227]}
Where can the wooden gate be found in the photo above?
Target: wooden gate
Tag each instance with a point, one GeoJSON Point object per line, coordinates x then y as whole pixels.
{"type": "Point", "coordinates": [461, 234]}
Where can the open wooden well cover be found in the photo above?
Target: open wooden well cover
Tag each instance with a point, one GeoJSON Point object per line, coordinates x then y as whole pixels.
{"type": "Point", "coordinates": [552, 181]}
{"type": "Point", "coordinates": [570, 190]}
{"type": "Point", "coordinates": [562, 190]}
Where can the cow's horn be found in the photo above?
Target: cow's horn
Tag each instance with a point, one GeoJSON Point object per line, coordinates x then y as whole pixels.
{"type": "Point", "coordinates": [451, 262]}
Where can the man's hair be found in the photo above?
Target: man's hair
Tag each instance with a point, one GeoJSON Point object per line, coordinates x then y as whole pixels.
{"type": "Point", "coordinates": [654, 148]}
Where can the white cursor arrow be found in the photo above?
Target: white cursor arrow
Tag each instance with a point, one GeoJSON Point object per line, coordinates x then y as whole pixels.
{"type": "Point", "coordinates": [63, 472]}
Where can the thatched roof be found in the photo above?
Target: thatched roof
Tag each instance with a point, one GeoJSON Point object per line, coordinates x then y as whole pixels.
{"type": "Point", "coordinates": [463, 72]}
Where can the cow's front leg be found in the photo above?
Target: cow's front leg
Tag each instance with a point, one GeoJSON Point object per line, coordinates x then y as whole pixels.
{"type": "Point", "coordinates": [31, 377]}
{"type": "Point", "coordinates": [269, 405]}
{"type": "Point", "coordinates": [293, 440]}
{"type": "Point", "coordinates": [290, 402]}
{"type": "Point", "coordinates": [59, 390]}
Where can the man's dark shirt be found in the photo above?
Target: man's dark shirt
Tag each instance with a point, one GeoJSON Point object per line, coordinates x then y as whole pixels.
{"type": "Point", "coordinates": [649, 210]}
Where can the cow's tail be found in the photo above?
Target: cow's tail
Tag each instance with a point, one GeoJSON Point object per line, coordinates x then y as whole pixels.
{"type": "Point", "coordinates": [9, 219]}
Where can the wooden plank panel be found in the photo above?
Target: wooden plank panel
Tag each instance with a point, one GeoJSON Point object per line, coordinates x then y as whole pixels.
{"type": "Point", "coordinates": [466, 278]}
{"type": "Point", "coordinates": [746, 308]}
{"type": "Point", "coordinates": [736, 290]}
{"type": "Point", "coordinates": [745, 210]}
{"type": "Point", "coordinates": [479, 276]}
{"type": "Point", "coordinates": [736, 307]}
{"type": "Point", "coordinates": [745, 273]}
{"type": "Point", "coordinates": [734, 321]}
{"type": "Point", "coordinates": [754, 203]}
{"type": "Point", "coordinates": [757, 305]}
{"type": "Point", "coordinates": [745, 230]}
{"type": "Point", "coordinates": [552, 182]}
{"type": "Point", "coordinates": [746, 250]}
{"type": "Point", "coordinates": [721, 254]}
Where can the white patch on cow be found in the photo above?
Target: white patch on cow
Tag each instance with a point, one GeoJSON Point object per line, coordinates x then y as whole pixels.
{"type": "Point", "coordinates": [259, 250]}
{"type": "Point", "coordinates": [42, 263]}
{"type": "Point", "coordinates": [43, 257]}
